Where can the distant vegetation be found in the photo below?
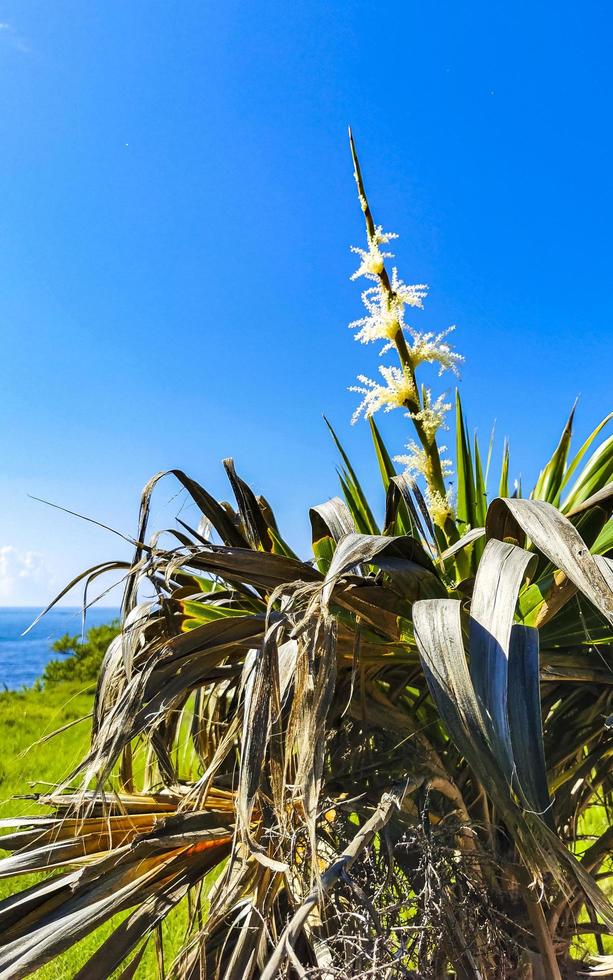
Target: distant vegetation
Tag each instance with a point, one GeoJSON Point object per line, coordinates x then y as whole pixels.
{"type": "Point", "coordinates": [80, 661]}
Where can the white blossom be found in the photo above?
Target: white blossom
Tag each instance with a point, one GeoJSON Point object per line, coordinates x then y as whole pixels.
{"type": "Point", "coordinates": [373, 259]}
{"type": "Point", "coordinates": [416, 461]}
{"type": "Point", "coordinates": [397, 390]}
{"type": "Point", "coordinates": [408, 295]}
{"type": "Point", "coordinates": [385, 304]}
{"type": "Point", "coordinates": [384, 318]}
{"type": "Point", "coordinates": [432, 414]}
{"type": "Point", "coordinates": [440, 506]}
{"type": "Point", "coordinates": [386, 311]}
{"type": "Point", "coordinates": [430, 347]}
{"type": "Point", "coordinates": [383, 237]}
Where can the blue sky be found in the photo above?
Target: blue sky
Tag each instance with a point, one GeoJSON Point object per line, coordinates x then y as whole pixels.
{"type": "Point", "coordinates": [176, 213]}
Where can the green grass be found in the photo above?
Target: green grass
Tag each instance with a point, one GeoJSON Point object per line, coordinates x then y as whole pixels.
{"type": "Point", "coordinates": [26, 718]}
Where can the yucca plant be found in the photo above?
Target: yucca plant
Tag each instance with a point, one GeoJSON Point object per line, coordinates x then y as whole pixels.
{"type": "Point", "coordinates": [382, 761]}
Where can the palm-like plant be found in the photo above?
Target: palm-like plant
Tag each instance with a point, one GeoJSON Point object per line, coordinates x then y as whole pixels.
{"type": "Point", "coordinates": [376, 762]}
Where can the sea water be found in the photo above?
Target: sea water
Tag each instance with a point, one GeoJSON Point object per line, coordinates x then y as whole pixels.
{"type": "Point", "coordinates": [23, 658]}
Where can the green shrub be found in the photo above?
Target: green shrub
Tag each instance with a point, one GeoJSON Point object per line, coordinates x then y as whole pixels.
{"type": "Point", "coordinates": [82, 660]}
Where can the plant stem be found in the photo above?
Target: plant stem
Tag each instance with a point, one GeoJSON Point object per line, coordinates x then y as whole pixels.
{"type": "Point", "coordinates": [434, 472]}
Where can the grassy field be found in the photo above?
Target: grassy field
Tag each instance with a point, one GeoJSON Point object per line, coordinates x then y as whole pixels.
{"type": "Point", "coordinates": [26, 719]}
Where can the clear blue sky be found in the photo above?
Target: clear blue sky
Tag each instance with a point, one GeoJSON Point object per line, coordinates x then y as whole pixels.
{"type": "Point", "coordinates": [177, 208]}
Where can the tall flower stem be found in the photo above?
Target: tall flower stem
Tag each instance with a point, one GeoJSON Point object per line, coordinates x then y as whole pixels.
{"type": "Point", "coordinates": [433, 472]}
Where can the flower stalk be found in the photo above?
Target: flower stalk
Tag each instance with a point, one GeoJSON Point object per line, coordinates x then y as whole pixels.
{"type": "Point", "coordinates": [385, 304]}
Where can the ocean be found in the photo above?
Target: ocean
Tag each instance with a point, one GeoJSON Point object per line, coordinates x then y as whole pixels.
{"type": "Point", "coordinates": [23, 658]}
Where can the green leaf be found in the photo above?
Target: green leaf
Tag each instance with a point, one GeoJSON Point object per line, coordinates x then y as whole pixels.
{"type": "Point", "coordinates": [353, 502]}
{"type": "Point", "coordinates": [480, 489]}
{"type": "Point", "coordinates": [197, 613]}
{"type": "Point", "coordinates": [581, 453]}
{"type": "Point", "coordinates": [595, 475]}
{"type": "Point", "coordinates": [503, 487]}
{"type": "Point", "coordinates": [489, 453]}
{"type": "Point", "coordinates": [551, 477]}
{"type": "Point", "coordinates": [279, 545]}
{"type": "Point", "coordinates": [356, 498]}
{"type": "Point", "coordinates": [330, 522]}
{"type": "Point", "coordinates": [384, 459]}
{"type": "Point", "coordinates": [604, 541]}
{"type": "Point", "coordinates": [464, 467]}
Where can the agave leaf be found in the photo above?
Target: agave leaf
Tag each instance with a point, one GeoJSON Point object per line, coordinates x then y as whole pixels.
{"type": "Point", "coordinates": [503, 489]}
{"type": "Point", "coordinates": [465, 508]}
{"type": "Point", "coordinates": [438, 632]}
{"type": "Point", "coordinates": [469, 538]}
{"type": "Point", "coordinates": [480, 490]}
{"type": "Point", "coordinates": [357, 549]}
{"type": "Point", "coordinates": [198, 613]}
{"type": "Point", "coordinates": [353, 503]}
{"type": "Point", "coordinates": [101, 891]}
{"type": "Point", "coordinates": [332, 518]}
{"type": "Point", "coordinates": [386, 466]}
{"type": "Point", "coordinates": [602, 498]}
{"type": "Point", "coordinates": [490, 448]}
{"type": "Point", "coordinates": [356, 498]}
{"type": "Point", "coordinates": [596, 473]}
{"type": "Point", "coordinates": [554, 535]}
{"type": "Point", "coordinates": [129, 971]}
{"type": "Point", "coordinates": [43, 897]}
{"type": "Point", "coordinates": [525, 723]}
{"type": "Point", "coordinates": [581, 453]}
{"type": "Point", "coordinates": [400, 509]}
{"type": "Point", "coordinates": [261, 569]}
{"type": "Point", "coordinates": [262, 686]}
{"type": "Point", "coordinates": [500, 574]}
{"type": "Point", "coordinates": [604, 541]}
{"type": "Point", "coordinates": [248, 929]}
{"type": "Point", "coordinates": [89, 573]}
{"type": "Point", "coordinates": [210, 508]}
{"type": "Point", "coordinates": [423, 508]}
{"type": "Point", "coordinates": [315, 704]}
{"type": "Point", "coordinates": [191, 659]}
{"type": "Point", "coordinates": [280, 545]}
{"type": "Point", "coordinates": [551, 477]}
{"type": "Point", "coordinates": [330, 521]}
{"type": "Point", "coordinates": [256, 527]}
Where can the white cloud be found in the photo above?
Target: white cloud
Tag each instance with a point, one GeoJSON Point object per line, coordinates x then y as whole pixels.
{"type": "Point", "coordinates": [14, 38]}
{"type": "Point", "coordinates": [24, 576]}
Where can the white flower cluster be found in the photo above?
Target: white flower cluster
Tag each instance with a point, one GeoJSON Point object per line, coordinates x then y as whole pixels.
{"type": "Point", "coordinates": [385, 311]}
{"type": "Point", "coordinates": [440, 507]}
{"type": "Point", "coordinates": [373, 260]}
{"type": "Point", "coordinates": [385, 302]}
{"type": "Point", "coordinates": [432, 414]}
{"type": "Point", "coordinates": [385, 305]}
{"type": "Point", "coordinates": [416, 463]}
{"type": "Point", "coordinates": [398, 389]}
{"type": "Point", "coordinates": [430, 347]}
{"type": "Point", "coordinates": [416, 460]}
